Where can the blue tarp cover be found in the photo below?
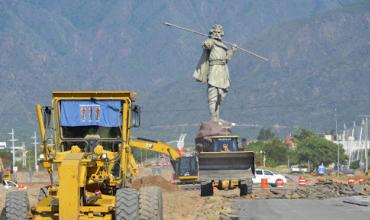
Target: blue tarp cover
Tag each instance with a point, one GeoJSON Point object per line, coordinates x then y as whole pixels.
{"type": "Point", "coordinates": [88, 113]}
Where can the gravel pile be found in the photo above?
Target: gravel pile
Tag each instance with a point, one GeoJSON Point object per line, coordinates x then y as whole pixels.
{"type": "Point", "coordinates": [320, 190]}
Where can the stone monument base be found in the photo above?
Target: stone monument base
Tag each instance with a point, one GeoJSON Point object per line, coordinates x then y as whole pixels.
{"type": "Point", "coordinates": [211, 128]}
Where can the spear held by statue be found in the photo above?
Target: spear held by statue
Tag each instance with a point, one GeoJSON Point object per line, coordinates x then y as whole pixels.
{"type": "Point", "coordinates": [206, 35]}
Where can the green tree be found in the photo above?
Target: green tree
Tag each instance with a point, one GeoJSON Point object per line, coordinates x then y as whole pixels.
{"type": "Point", "coordinates": [275, 150]}
{"type": "Point", "coordinates": [355, 164]}
{"type": "Point", "coordinates": [265, 134]}
{"type": "Point", "coordinates": [315, 149]}
{"type": "Point", "coordinates": [6, 158]}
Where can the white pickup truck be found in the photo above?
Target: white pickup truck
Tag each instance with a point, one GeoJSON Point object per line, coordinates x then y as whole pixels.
{"type": "Point", "coordinates": [269, 175]}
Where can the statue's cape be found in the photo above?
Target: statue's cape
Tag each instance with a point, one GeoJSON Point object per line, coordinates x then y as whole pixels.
{"type": "Point", "coordinates": [201, 72]}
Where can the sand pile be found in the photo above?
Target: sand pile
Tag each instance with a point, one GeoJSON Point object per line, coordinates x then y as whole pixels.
{"type": "Point", "coordinates": [155, 181]}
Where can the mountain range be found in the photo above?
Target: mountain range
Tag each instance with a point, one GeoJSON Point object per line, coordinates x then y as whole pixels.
{"type": "Point", "coordinates": [318, 69]}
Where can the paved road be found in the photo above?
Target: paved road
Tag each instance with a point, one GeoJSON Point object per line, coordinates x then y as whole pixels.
{"type": "Point", "coordinates": [303, 209]}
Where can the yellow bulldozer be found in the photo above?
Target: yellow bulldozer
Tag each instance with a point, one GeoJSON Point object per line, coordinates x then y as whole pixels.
{"type": "Point", "coordinates": [92, 156]}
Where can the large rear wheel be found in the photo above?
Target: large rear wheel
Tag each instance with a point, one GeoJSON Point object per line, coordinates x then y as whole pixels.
{"type": "Point", "coordinates": [127, 204]}
{"type": "Point", "coordinates": [151, 204]}
{"type": "Point", "coordinates": [17, 205]}
{"type": "Point", "coordinates": [245, 187]}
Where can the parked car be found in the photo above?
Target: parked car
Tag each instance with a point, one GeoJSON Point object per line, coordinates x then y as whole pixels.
{"type": "Point", "coordinates": [271, 176]}
{"type": "Point", "coordinates": [298, 169]}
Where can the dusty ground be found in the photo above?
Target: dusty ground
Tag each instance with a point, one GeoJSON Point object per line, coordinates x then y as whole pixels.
{"type": "Point", "coordinates": [177, 203]}
{"type": "Point", "coordinates": [188, 205]}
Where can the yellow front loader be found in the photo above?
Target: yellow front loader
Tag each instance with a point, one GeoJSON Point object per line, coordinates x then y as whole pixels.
{"type": "Point", "coordinates": [89, 160]}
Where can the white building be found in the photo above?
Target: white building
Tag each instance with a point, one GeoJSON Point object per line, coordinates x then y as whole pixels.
{"type": "Point", "coordinates": [2, 145]}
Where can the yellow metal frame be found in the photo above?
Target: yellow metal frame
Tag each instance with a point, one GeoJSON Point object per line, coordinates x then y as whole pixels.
{"type": "Point", "coordinates": [156, 146]}
{"type": "Point", "coordinates": [222, 136]}
{"type": "Point", "coordinates": [166, 149]}
{"type": "Point", "coordinates": [73, 167]}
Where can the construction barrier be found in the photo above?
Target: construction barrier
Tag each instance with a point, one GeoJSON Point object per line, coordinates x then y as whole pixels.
{"type": "Point", "coordinates": [279, 183]}
{"type": "Point", "coordinates": [264, 183]}
{"type": "Point", "coordinates": [321, 179]}
{"type": "Point", "coordinates": [361, 180]}
{"type": "Point", "coordinates": [302, 181]}
{"type": "Point", "coordinates": [21, 186]}
{"type": "Point", "coordinates": [351, 181]}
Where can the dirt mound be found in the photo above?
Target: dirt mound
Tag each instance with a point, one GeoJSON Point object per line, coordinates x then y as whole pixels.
{"type": "Point", "coordinates": [155, 181]}
{"type": "Point", "coordinates": [320, 190]}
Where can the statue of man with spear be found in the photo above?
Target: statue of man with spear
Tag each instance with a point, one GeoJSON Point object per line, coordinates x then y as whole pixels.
{"type": "Point", "coordinates": [212, 67]}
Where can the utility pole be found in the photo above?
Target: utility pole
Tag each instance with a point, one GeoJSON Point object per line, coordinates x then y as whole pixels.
{"type": "Point", "coordinates": [366, 145]}
{"type": "Point", "coordinates": [336, 139]}
{"type": "Point", "coordinates": [264, 157]}
{"type": "Point", "coordinates": [24, 158]}
{"type": "Point", "coordinates": [35, 145]}
{"type": "Point", "coordinates": [366, 131]}
{"type": "Point", "coordinates": [360, 138]}
{"type": "Point", "coordinates": [13, 147]}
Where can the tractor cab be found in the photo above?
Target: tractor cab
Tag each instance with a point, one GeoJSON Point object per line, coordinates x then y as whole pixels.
{"type": "Point", "coordinates": [224, 143]}
{"type": "Point", "coordinates": [88, 123]}
{"type": "Point", "coordinates": [186, 169]}
{"type": "Point", "coordinates": [86, 120]}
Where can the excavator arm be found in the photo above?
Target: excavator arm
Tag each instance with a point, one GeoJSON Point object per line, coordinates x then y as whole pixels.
{"type": "Point", "coordinates": [156, 146]}
{"type": "Point", "coordinates": [184, 171]}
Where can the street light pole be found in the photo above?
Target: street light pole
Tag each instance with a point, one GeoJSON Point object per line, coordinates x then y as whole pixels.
{"type": "Point", "coordinates": [35, 145]}
{"type": "Point", "coordinates": [264, 157]}
{"type": "Point", "coordinates": [13, 147]}
{"type": "Point", "coordinates": [366, 146]}
{"type": "Point", "coordinates": [336, 139]}
{"type": "Point", "coordinates": [366, 131]}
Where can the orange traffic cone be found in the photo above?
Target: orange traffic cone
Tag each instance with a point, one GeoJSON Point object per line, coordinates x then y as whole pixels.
{"type": "Point", "coordinates": [302, 181]}
{"type": "Point", "coordinates": [264, 183]}
{"type": "Point", "coordinates": [279, 183]}
{"type": "Point", "coordinates": [351, 181]}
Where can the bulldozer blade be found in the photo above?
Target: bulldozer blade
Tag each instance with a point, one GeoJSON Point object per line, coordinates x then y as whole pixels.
{"type": "Point", "coordinates": [241, 160]}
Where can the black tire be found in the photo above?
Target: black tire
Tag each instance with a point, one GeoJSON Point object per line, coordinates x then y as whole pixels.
{"type": "Point", "coordinates": [127, 204]}
{"type": "Point", "coordinates": [17, 205]}
{"type": "Point", "coordinates": [43, 193]}
{"type": "Point", "coordinates": [206, 188]}
{"type": "Point", "coordinates": [151, 204]}
{"type": "Point", "coordinates": [249, 186]}
{"type": "Point", "coordinates": [243, 188]}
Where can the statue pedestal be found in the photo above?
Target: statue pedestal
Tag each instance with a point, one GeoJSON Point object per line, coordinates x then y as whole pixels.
{"type": "Point", "coordinates": [212, 128]}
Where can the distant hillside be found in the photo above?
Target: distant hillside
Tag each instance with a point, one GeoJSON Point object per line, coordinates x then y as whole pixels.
{"type": "Point", "coordinates": [112, 44]}
{"type": "Point", "coordinates": [317, 65]}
